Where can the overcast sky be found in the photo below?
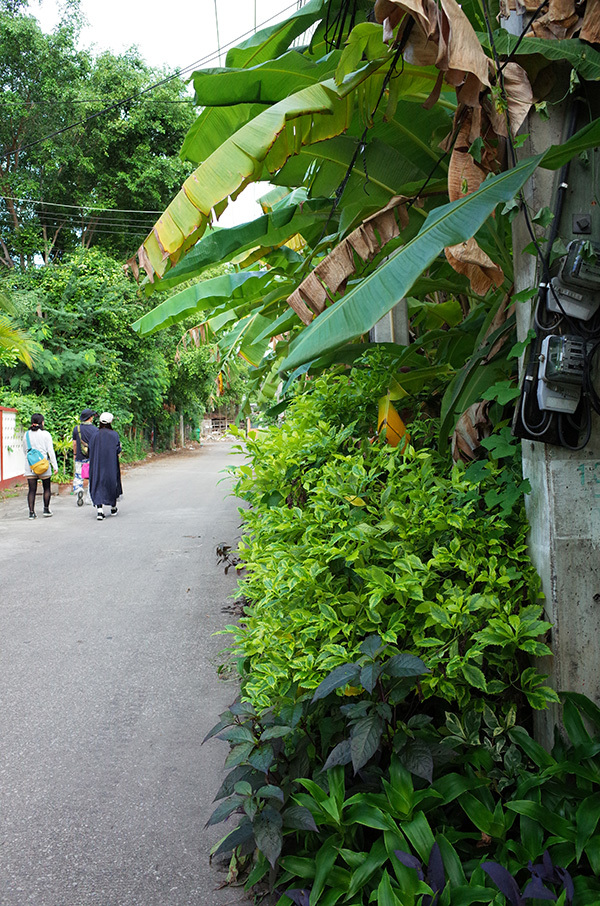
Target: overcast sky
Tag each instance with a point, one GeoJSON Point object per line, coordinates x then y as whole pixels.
{"type": "Point", "coordinates": [175, 36]}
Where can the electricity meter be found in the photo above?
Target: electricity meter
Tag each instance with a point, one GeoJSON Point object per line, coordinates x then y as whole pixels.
{"type": "Point", "coordinates": [576, 289]}
{"type": "Point", "coordinates": [560, 373]}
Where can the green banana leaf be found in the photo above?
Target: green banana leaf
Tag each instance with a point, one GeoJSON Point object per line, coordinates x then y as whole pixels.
{"type": "Point", "coordinates": [16, 342]}
{"type": "Point", "coordinates": [274, 40]}
{"type": "Point", "coordinates": [267, 231]}
{"type": "Point", "coordinates": [203, 296]}
{"type": "Point", "coordinates": [557, 155]}
{"type": "Point", "coordinates": [377, 294]}
{"type": "Point", "coordinates": [584, 59]}
{"type": "Point", "coordinates": [213, 127]}
{"type": "Point", "coordinates": [284, 322]}
{"type": "Point", "coordinates": [474, 379]}
{"type": "Point", "coordinates": [233, 97]}
{"type": "Point", "coordinates": [249, 338]}
{"type": "Point", "coordinates": [282, 195]}
{"type": "Point", "coordinates": [310, 115]}
{"type": "Point", "coordinates": [267, 83]}
{"type": "Point", "coordinates": [414, 132]}
{"type": "Point", "coordinates": [373, 179]}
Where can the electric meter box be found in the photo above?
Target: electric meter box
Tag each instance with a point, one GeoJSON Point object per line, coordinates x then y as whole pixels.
{"type": "Point", "coordinates": [576, 289]}
{"type": "Point", "coordinates": [560, 373]}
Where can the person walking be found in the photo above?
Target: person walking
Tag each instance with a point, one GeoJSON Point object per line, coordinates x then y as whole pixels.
{"type": "Point", "coordinates": [82, 435]}
{"type": "Point", "coordinates": [37, 438]}
{"type": "Point", "coordinates": [105, 470]}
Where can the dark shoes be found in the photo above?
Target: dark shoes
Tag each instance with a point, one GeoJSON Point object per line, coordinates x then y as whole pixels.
{"type": "Point", "coordinates": [100, 515]}
{"type": "Point", "coordinates": [47, 511]}
{"type": "Point", "coordinates": [113, 511]}
{"type": "Point", "coordinates": [32, 515]}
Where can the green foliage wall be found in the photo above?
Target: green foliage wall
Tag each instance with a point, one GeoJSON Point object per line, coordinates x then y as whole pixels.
{"type": "Point", "coordinates": [380, 749]}
{"type": "Point", "coordinates": [346, 537]}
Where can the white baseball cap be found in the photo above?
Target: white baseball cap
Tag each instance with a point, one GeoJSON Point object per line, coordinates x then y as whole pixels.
{"type": "Point", "coordinates": [106, 418]}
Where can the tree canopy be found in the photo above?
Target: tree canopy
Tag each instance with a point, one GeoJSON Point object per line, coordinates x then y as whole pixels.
{"type": "Point", "coordinates": [88, 145]}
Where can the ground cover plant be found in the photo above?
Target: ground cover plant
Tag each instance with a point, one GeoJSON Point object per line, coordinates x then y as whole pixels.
{"type": "Point", "coordinates": [381, 747]}
{"type": "Point", "coordinates": [491, 817]}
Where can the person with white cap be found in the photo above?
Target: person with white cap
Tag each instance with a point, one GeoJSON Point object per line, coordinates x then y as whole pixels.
{"type": "Point", "coordinates": [105, 470]}
{"type": "Point", "coordinates": [82, 436]}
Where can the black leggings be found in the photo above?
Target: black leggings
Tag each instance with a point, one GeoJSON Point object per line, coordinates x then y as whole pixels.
{"type": "Point", "coordinates": [32, 482]}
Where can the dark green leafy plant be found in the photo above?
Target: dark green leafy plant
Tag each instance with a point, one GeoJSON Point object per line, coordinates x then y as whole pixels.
{"type": "Point", "coordinates": [354, 838]}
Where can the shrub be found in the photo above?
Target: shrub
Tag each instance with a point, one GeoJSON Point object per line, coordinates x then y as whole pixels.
{"type": "Point", "coordinates": [405, 811]}
{"type": "Point", "coordinates": [346, 537]}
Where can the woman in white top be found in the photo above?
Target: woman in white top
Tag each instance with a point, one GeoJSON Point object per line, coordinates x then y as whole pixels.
{"type": "Point", "coordinates": [39, 439]}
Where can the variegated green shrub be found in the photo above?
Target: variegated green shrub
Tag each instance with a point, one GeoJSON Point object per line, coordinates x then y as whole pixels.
{"type": "Point", "coordinates": [346, 537]}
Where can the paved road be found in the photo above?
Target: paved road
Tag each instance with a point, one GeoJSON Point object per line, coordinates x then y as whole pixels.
{"type": "Point", "coordinates": [107, 687]}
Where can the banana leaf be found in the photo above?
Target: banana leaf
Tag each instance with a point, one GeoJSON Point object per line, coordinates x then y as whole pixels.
{"type": "Point", "coordinates": [233, 97]}
{"type": "Point", "coordinates": [213, 127]}
{"type": "Point", "coordinates": [373, 179]}
{"type": "Point", "coordinates": [473, 380]}
{"type": "Point", "coordinates": [244, 338]}
{"type": "Point", "coordinates": [267, 83]}
{"type": "Point", "coordinates": [201, 297]}
{"type": "Point", "coordinates": [310, 115]}
{"type": "Point", "coordinates": [274, 40]}
{"type": "Point", "coordinates": [557, 155]}
{"type": "Point", "coordinates": [267, 231]}
{"type": "Point", "coordinates": [584, 59]}
{"type": "Point", "coordinates": [377, 294]}
{"type": "Point", "coordinates": [284, 322]}
{"type": "Point", "coordinates": [415, 133]}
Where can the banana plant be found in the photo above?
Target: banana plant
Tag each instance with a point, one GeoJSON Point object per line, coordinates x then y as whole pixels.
{"type": "Point", "coordinates": [346, 123]}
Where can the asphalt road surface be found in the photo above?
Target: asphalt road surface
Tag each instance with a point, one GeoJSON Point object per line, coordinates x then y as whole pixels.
{"type": "Point", "coordinates": [108, 685]}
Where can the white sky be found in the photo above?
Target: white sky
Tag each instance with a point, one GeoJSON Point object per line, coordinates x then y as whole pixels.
{"type": "Point", "coordinates": [174, 36]}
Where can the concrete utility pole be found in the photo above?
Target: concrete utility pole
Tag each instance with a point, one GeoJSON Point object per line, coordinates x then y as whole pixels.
{"type": "Point", "coordinates": [393, 327]}
{"type": "Point", "coordinates": [564, 504]}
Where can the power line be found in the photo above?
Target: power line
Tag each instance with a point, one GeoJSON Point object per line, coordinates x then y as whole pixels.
{"type": "Point", "coordinates": [78, 223]}
{"type": "Point", "coordinates": [217, 29]}
{"type": "Point", "coordinates": [139, 94]}
{"type": "Point", "coordinates": [72, 101]}
{"type": "Point", "coordinates": [73, 222]}
{"type": "Point", "coordinates": [79, 207]}
{"type": "Point", "coordinates": [123, 232]}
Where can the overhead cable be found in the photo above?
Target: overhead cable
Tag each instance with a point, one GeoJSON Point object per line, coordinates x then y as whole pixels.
{"type": "Point", "coordinates": [79, 207]}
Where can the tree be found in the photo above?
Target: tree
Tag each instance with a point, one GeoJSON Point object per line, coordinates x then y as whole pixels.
{"type": "Point", "coordinates": [81, 137]}
{"type": "Point", "coordinates": [79, 314]}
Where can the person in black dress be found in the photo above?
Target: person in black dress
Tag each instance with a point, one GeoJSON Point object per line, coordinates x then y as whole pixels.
{"type": "Point", "coordinates": [105, 470]}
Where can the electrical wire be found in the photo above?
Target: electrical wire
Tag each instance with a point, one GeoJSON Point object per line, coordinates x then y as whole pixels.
{"type": "Point", "coordinates": [217, 30]}
{"type": "Point", "coordinates": [72, 101]}
{"type": "Point", "coordinates": [78, 207]}
{"type": "Point", "coordinates": [530, 21]}
{"type": "Point", "coordinates": [88, 229]}
{"type": "Point", "coordinates": [48, 218]}
{"type": "Point", "coordinates": [588, 387]}
{"type": "Point", "coordinates": [535, 430]}
{"type": "Point", "coordinates": [588, 427]}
